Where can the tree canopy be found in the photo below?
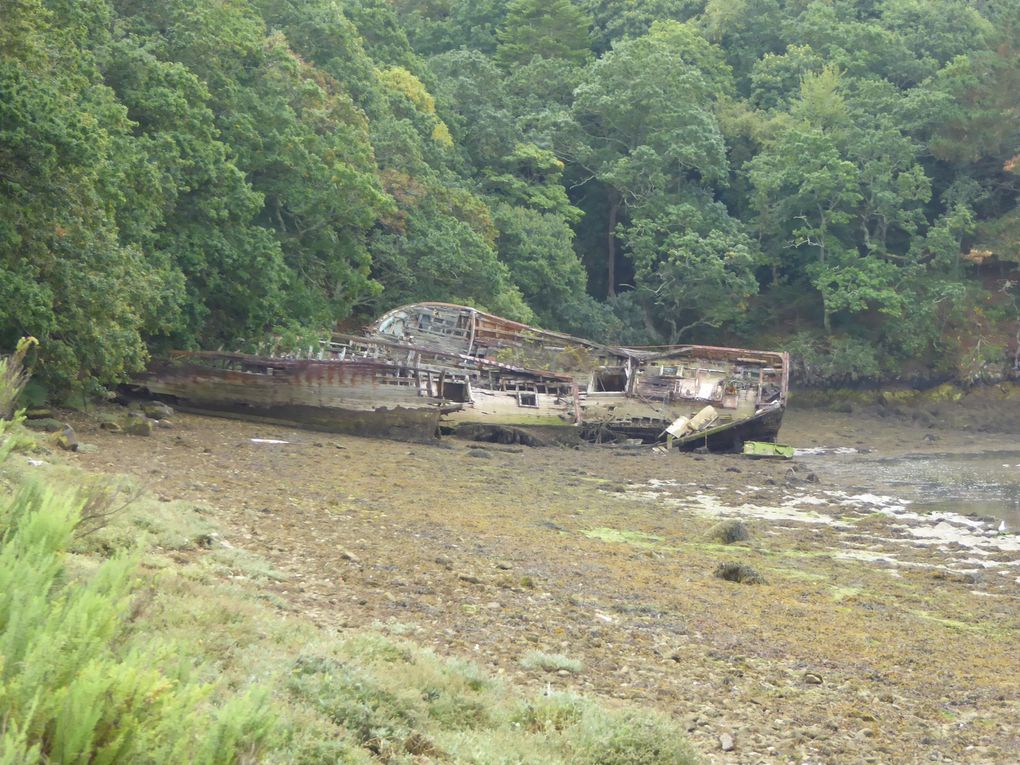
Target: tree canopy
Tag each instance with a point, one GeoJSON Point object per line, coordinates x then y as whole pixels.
{"type": "Point", "coordinates": [827, 177]}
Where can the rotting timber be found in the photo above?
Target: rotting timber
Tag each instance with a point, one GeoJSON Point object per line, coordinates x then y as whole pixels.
{"type": "Point", "coordinates": [359, 396]}
{"type": "Point", "coordinates": [428, 367]}
{"type": "Point", "coordinates": [602, 392]}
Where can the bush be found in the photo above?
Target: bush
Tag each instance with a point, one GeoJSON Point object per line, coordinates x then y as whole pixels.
{"type": "Point", "coordinates": [13, 377]}
{"type": "Point", "coordinates": [66, 694]}
{"type": "Point", "coordinates": [631, 738]}
{"type": "Point", "coordinates": [554, 712]}
{"type": "Point", "coordinates": [833, 361]}
{"type": "Point", "coordinates": [551, 662]}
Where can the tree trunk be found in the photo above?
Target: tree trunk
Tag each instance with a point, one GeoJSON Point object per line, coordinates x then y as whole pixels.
{"type": "Point", "coordinates": [614, 213]}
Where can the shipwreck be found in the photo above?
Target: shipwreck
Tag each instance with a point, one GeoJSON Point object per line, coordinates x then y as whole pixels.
{"type": "Point", "coordinates": [694, 394]}
{"type": "Point", "coordinates": [429, 367]}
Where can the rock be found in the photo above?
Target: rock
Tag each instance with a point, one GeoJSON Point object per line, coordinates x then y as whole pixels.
{"type": "Point", "coordinates": [348, 555]}
{"type": "Point", "coordinates": [503, 565]}
{"type": "Point", "coordinates": [469, 578]}
{"type": "Point", "coordinates": [444, 561]}
{"type": "Point", "coordinates": [701, 450]}
{"type": "Point", "coordinates": [479, 453]}
{"type": "Point", "coordinates": [811, 478]}
{"type": "Point", "coordinates": [733, 469]}
{"type": "Point", "coordinates": [87, 448]}
{"type": "Point", "coordinates": [738, 572]}
{"type": "Point", "coordinates": [39, 413]}
{"type": "Point", "coordinates": [45, 424]}
{"type": "Point", "coordinates": [138, 426]}
{"type": "Point", "coordinates": [812, 679]}
{"type": "Point", "coordinates": [164, 424]}
{"type": "Point", "coordinates": [67, 440]}
{"type": "Point", "coordinates": [726, 742]}
{"type": "Point", "coordinates": [418, 745]}
{"type": "Point", "coordinates": [728, 532]}
{"type": "Point", "coordinates": [111, 426]}
{"type": "Point", "coordinates": [157, 410]}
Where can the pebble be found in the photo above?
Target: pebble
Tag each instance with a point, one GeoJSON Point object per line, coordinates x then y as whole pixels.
{"type": "Point", "coordinates": [812, 679]}
{"type": "Point", "coordinates": [726, 742]}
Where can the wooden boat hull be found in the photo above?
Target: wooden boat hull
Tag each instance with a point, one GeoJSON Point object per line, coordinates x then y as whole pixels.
{"type": "Point", "coordinates": [355, 397]}
{"type": "Point", "coordinates": [727, 436]}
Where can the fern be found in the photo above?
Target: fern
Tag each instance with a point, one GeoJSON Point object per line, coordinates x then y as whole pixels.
{"type": "Point", "coordinates": [66, 694]}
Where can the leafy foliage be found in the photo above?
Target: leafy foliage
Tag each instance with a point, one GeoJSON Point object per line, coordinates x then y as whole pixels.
{"type": "Point", "coordinates": [66, 694]}
{"type": "Point", "coordinates": [175, 174]}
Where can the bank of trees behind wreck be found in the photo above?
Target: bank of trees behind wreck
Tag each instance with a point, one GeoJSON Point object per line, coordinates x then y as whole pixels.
{"type": "Point", "coordinates": [838, 179]}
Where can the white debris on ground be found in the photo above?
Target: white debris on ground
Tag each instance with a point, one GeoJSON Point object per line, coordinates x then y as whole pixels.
{"type": "Point", "coordinates": [815, 450]}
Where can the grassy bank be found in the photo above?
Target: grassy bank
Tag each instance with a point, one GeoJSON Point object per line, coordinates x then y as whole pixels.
{"type": "Point", "coordinates": [130, 632]}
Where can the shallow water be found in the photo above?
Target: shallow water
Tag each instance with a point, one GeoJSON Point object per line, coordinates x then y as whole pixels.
{"type": "Point", "coordinates": [985, 483]}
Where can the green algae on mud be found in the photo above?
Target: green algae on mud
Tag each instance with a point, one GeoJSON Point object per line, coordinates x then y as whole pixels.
{"type": "Point", "coordinates": [636, 538]}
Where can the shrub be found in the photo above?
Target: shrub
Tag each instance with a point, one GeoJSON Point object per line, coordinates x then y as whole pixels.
{"type": "Point", "coordinates": [551, 662]}
{"type": "Point", "coordinates": [66, 694]}
{"type": "Point", "coordinates": [631, 738]}
{"type": "Point", "coordinates": [554, 712]}
{"type": "Point", "coordinates": [13, 377]}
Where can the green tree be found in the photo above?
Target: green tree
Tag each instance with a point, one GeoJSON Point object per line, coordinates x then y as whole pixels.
{"type": "Point", "coordinates": [694, 266]}
{"type": "Point", "coordinates": [549, 29]}
{"type": "Point", "coordinates": [538, 250]}
{"type": "Point", "coordinates": [66, 161]}
{"type": "Point", "coordinates": [642, 123]}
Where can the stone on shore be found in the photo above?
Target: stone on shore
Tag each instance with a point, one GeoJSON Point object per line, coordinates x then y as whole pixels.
{"type": "Point", "coordinates": [740, 573]}
{"type": "Point", "coordinates": [729, 531]}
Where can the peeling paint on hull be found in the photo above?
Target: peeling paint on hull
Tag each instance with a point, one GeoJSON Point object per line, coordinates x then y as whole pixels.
{"type": "Point", "coordinates": [355, 397]}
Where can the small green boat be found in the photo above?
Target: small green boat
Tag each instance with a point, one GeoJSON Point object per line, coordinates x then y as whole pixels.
{"type": "Point", "coordinates": [766, 449]}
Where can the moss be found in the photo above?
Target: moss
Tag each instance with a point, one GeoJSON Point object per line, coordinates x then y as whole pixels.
{"type": "Point", "coordinates": [727, 532]}
{"type": "Point", "coordinates": [944, 392]}
{"type": "Point", "coordinates": [840, 594]}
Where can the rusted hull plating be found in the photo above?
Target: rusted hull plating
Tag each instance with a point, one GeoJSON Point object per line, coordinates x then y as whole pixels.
{"type": "Point", "coordinates": [356, 397]}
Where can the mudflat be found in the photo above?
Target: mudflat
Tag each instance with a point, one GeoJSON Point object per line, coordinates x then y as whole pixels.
{"type": "Point", "coordinates": [871, 632]}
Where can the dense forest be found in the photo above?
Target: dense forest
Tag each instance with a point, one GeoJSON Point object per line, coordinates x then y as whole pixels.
{"type": "Point", "coordinates": [833, 177]}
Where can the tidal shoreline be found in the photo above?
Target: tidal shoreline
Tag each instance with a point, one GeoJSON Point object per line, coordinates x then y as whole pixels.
{"type": "Point", "coordinates": [867, 642]}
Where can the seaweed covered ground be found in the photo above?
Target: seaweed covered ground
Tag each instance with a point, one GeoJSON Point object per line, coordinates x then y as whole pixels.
{"type": "Point", "coordinates": [870, 633]}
